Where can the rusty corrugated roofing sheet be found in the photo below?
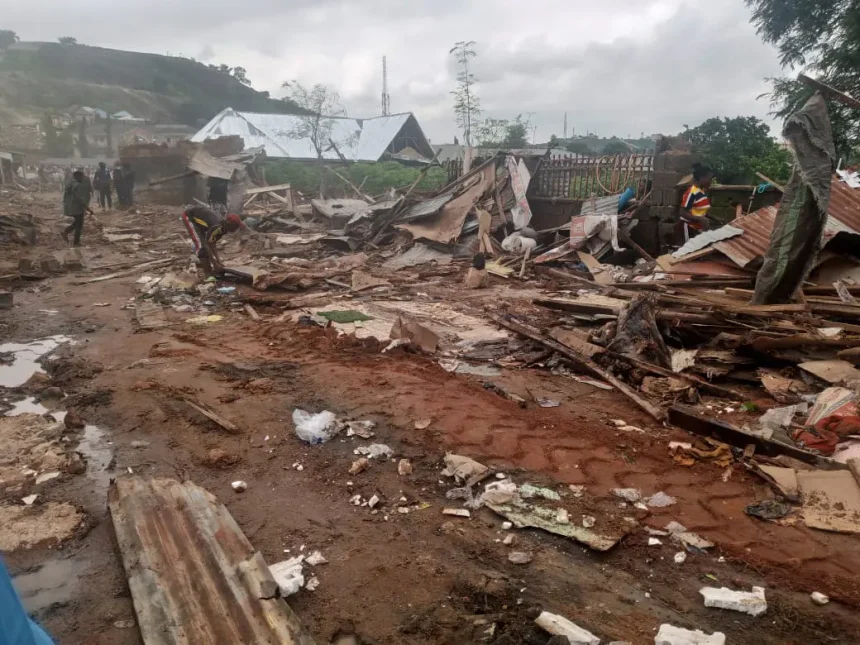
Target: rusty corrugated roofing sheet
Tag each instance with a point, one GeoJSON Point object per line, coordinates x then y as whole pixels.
{"type": "Point", "coordinates": [843, 217]}
{"type": "Point", "coordinates": [194, 577]}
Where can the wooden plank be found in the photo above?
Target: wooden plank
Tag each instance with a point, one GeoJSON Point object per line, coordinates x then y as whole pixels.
{"type": "Point", "coordinates": [194, 577]}
{"type": "Point", "coordinates": [593, 264]}
{"type": "Point", "coordinates": [122, 274]}
{"type": "Point", "coordinates": [253, 312]}
{"type": "Point", "coordinates": [829, 92]}
{"type": "Point", "coordinates": [156, 182]}
{"type": "Point", "coordinates": [770, 181]}
{"type": "Point", "coordinates": [267, 189]}
{"type": "Point", "coordinates": [584, 362]}
{"type": "Point", "coordinates": [668, 315]}
{"type": "Point", "coordinates": [207, 412]}
{"type": "Point", "coordinates": [691, 420]}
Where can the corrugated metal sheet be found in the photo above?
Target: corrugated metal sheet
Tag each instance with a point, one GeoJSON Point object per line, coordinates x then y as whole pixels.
{"type": "Point", "coordinates": [843, 217]}
{"type": "Point", "coordinates": [706, 239]}
{"type": "Point", "coordinates": [195, 579]}
{"type": "Point", "coordinates": [357, 139]}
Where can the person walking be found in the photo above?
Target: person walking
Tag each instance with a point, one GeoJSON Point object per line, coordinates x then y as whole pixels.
{"type": "Point", "coordinates": [695, 204]}
{"type": "Point", "coordinates": [102, 183]}
{"type": "Point", "coordinates": [76, 204]}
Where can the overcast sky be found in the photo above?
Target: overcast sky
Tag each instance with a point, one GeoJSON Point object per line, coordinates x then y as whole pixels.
{"type": "Point", "coordinates": [615, 66]}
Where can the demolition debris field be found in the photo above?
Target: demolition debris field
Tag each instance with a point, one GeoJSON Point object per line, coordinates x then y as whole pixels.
{"type": "Point", "coordinates": [598, 403]}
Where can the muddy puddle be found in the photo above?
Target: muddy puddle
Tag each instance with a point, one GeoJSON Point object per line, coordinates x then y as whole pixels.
{"type": "Point", "coordinates": [56, 580]}
{"type": "Point", "coordinates": [25, 359]}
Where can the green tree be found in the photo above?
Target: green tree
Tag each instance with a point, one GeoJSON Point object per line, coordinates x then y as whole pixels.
{"type": "Point", "coordinates": [822, 37]}
{"type": "Point", "coordinates": [737, 148]}
{"type": "Point", "coordinates": [7, 38]}
{"type": "Point", "coordinates": [554, 141]}
{"type": "Point", "coordinates": [241, 75]}
{"type": "Point", "coordinates": [517, 133]}
{"type": "Point", "coordinates": [67, 40]}
{"type": "Point", "coordinates": [616, 147]}
{"type": "Point", "coordinates": [578, 147]}
{"type": "Point", "coordinates": [318, 103]}
{"type": "Point", "coordinates": [467, 106]}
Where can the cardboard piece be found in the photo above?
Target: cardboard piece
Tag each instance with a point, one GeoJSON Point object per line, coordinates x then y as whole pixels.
{"type": "Point", "coordinates": [417, 334]}
{"type": "Point", "coordinates": [831, 500]}
{"type": "Point", "coordinates": [834, 372]}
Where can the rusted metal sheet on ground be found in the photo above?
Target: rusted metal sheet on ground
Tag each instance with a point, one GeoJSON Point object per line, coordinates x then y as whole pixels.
{"type": "Point", "coordinates": [194, 577]}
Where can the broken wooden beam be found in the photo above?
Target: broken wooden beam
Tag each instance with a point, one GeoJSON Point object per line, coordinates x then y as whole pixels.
{"type": "Point", "coordinates": [194, 577]}
{"type": "Point", "coordinates": [829, 92]}
{"type": "Point", "coordinates": [207, 412]}
{"type": "Point", "coordinates": [667, 315]}
{"type": "Point", "coordinates": [583, 362]}
{"type": "Point", "coordinates": [691, 420]}
{"type": "Point", "coordinates": [257, 190]}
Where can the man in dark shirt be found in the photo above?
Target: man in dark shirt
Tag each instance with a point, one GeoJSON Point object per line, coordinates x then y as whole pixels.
{"type": "Point", "coordinates": [102, 183]}
{"type": "Point", "coordinates": [76, 200]}
{"type": "Point", "coordinates": [205, 227]}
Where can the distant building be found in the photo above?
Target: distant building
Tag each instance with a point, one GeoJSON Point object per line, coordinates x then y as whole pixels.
{"type": "Point", "coordinates": [398, 136]}
{"type": "Point", "coordinates": [123, 133]}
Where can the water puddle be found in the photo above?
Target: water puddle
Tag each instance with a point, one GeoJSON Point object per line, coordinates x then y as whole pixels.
{"type": "Point", "coordinates": [99, 455]}
{"type": "Point", "coordinates": [27, 405]}
{"type": "Point", "coordinates": [25, 358]}
{"type": "Point", "coordinates": [54, 582]}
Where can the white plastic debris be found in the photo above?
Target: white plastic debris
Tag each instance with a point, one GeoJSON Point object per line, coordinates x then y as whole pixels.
{"type": "Point", "coordinates": [671, 635]}
{"type": "Point", "coordinates": [561, 626]}
{"type": "Point", "coordinates": [819, 598]}
{"type": "Point", "coordinates": [680, 557]}
{"type": "Point", "coordinates": [46, 477]}
{"type": "Point", "coordinates": [631, 495]}
{"type": "Point", "coordinates": [519, 557]}
{"type": "Point", "coordinates": [680, 534]}
{"type": "Point", "coordinates": [660, 500]}
{"type": "Point", "coordinates": [457, 512]}
{"type": "Point", "coordinates": [375, 450]}
{"type": "Point", "coordinates": [363, 429]}
{"type": "Point", "coordinates": [752, 603]}
{"type": "Point", "coordinates": [288, 575]}
{"type": "Point", "coordinates": [652, 541]}
{"type": "Point", "coordinates": [315, 428]}
{"type": "Point", "coordinates": [29, 499]}
{"type": "Point", "coordinates": [315, 559]}
{"type": "Point", "coordinates": [239, 486]}
{"type": "Point", "coordinates": [507, 526]}
{"type": "Point", "coordinates": [499, 492]}
{"type": "Point", "coordinates": [588, 521]}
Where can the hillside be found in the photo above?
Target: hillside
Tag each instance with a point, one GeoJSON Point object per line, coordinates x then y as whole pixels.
{"type": "Point", "coordinates": [40, 77]}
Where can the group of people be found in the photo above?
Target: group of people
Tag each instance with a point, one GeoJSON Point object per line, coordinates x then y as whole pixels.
{"type": "Point", "coordinates": [78, 194]}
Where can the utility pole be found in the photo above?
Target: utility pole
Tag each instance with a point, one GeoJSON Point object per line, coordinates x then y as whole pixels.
{"type": "Point", "coordinates": [386, 99]}
{"type": "Point", "coordinates": [565, 126]}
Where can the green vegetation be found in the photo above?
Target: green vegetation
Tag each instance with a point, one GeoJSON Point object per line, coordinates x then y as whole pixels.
{"type": "Point", "coordinates": [737, 148]}
{"type": "Point", "coordinates": [374, 178]}
{"type": "Point", "coordinates": [7, 38]}
{"type": "Point", "coordinates": [502, 133]}
{"type": "Point", "coordinates": [187, 91]}
{"type": "Point", "coordinates": [823, 38]}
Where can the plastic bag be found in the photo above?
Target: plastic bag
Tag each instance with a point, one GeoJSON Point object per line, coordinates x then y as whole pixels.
{"type": "Point", "coordinates": [315, 428]}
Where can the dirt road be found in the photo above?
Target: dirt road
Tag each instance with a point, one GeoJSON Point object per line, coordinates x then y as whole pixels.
{"type": "Point", "coordinates": [392, 577]}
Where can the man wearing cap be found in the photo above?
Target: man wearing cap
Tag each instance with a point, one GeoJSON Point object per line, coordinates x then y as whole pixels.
{"type": "Point", "coordinates": [205, 227]}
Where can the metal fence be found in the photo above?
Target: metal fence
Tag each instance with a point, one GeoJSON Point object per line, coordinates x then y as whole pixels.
{"type": "Point", "coordinates": [586, 177]}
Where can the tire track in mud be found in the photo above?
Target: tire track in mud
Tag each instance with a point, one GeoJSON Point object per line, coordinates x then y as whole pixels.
{"type": "Point", "coordinates": [579, 448]}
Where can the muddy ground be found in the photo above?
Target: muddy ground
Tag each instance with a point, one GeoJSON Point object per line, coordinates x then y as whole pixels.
{"type": "Point", "coordinates": [391, 577]}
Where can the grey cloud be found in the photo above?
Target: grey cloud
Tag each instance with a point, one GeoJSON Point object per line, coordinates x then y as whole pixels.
{"type": "Point", "coordinates": [615, 66]}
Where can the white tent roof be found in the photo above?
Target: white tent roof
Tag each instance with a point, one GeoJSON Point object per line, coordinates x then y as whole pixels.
{"type": "Point", "coordinates": [356, 139]}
